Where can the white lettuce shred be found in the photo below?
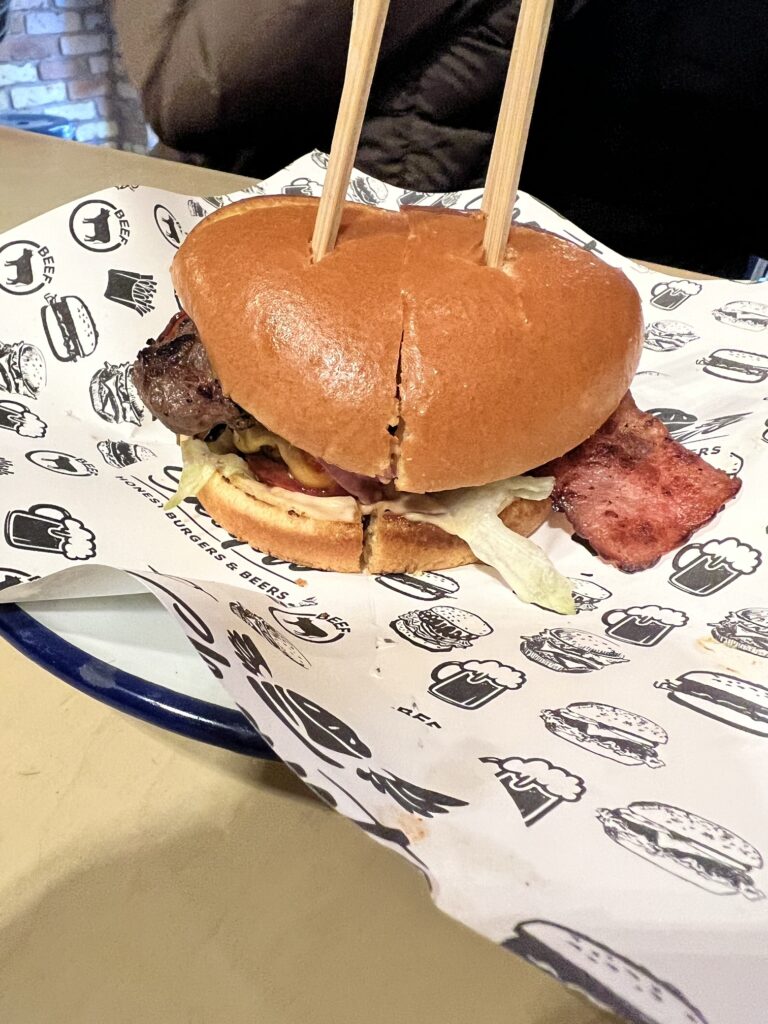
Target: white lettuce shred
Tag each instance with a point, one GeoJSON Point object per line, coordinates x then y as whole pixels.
{"type": "Point", "coordinates": [200, 463]}
{"type": "Point", "coordinates": [472, 513]}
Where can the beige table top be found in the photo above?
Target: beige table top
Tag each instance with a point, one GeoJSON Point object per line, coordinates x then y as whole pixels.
{"type": "Point", "coordinates": [147, 879]}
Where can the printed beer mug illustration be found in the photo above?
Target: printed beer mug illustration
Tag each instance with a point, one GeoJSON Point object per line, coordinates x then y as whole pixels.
{"type": "Point", "coordinates": [646, 626]}
{"type": "Point", "coordinates": [17, 417]}
{"type": "Point", "coordinates": [49, 528]}
{"type": "Point", "coordinates": [671, 294]}
{"type": "Point", "coordinates": [471, 684]}
{"type": "Point", "coordinates": [703, 569]}
{"type": "Point", "coordinates": [535, 785]}
{"type": "Point", "coordinates": [302, 187]}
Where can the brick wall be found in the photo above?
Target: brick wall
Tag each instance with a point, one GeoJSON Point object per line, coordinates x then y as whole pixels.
{"type": "Point", "coordinates": [61, 57]}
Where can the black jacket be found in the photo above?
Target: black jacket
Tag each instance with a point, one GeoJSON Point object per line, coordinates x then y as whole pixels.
{"type": "Point", "coordinates": [5, 6]}
{"type": "Point", "coordinates": [644, 130]}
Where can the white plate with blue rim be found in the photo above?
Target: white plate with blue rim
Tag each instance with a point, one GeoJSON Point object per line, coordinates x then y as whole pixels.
{"type": "Point", "coordinates": [120, 651]}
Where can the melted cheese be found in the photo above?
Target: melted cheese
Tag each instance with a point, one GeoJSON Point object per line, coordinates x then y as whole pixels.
{"type": "Point", "coordinates": [340, 510]}
{"type": "Point", "coordinates": [302, 466]}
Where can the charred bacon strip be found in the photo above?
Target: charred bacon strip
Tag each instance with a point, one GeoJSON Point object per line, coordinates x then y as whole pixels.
{"type": "Point", "coordinates": [633, 493]}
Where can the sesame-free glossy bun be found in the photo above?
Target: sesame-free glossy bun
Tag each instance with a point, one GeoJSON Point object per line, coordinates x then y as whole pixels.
{"type": "Point", "coordinates": [503, 370]}
{"type": "Point", "coordinates": [309, 349]}
{"type": "Point", "coordinates": [384, 543]}
{"type": "Point", "coordinates": [396, 544]}
{"type": "Point", "coordinates": [499, 370]}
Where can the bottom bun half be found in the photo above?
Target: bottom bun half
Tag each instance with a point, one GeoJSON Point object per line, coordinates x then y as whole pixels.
{"type": "Point", "coordinates": [383, 542]}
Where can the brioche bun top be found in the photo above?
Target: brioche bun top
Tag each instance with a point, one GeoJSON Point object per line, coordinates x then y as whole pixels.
{"type": "Point", "coordinates": [485, 373]}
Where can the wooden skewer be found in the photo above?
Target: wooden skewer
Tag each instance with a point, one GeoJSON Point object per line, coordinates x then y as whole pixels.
{"type": "Point", "coordinates": [512, 127]}
{"type": "Point", "coordinates": [497, 157]}
{"type": "Point", "coordinates": [368, 17]}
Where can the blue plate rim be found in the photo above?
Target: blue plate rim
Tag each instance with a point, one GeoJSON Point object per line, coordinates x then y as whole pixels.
{"type": "Point", "coordinates": [158, 705]}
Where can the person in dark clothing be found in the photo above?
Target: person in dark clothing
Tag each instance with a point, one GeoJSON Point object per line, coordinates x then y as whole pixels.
{"type": "Point", "coordinates": [642, 131]}
{"type": "Point", "coordinates": [5, 7]}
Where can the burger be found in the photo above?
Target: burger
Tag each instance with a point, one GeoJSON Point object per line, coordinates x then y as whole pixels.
{"type": "Point", "coordinates": [113, 394]}
{"type": "Point", "coordinates": [570, 650]}
{"type": "Point", "coordinates": [751, 316]}
{"type": "Point", "coordinates": [424, 586]}
{"type": "Point", "coordinates": [693, 848]}
{"type": "Point", "coordinates": [587, 594]}
{"type": "Point", "coordinates": [611, 732]}
{"type": "Point", "coordinates": [366, 190]}
{"type": "Point", "coordinates": [441, 628]}
{"type": "Point", "coordinates": [69, 327]}
{"type": "Point", "coordinates": [121, 454]}
{"type": "Point", "coordinates": [22, 369]}
{"type": "Point", "coordinates": [723, 697]}
{"type": "Point", "coordinates": [733, 364]}
{"type": "Point", "coordinates": [668, 335]}
{"type": "Point", "coordinates": [610, 979]}
{"type": "Point", "coordinates": [746, 630]}
{"type": "Point", "coordinates": [327, 403]}
{"type": "Point", "coordinates": [399, 406]}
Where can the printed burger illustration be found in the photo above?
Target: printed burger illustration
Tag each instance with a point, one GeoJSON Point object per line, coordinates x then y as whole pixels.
{"type": "Point", "coordinates": [69, 327]}
{"type": "Point", "coordinates": [367, 190]}
{"type": "Point", "coordinates": [721, 696]}
{"type": "Point", "coordinates": [49, 528]}
{"type": "Point", "coordinates": [587, 594]}
{"type": "Point", "coordinates": [441, 628]}
{"type": "Point", "coordinates": [734, 364]}
{"type": "Point", "coordinates": [645, 627]}
{"type": "Point", "coordinates": [395, 476]}
{"type": "Point", "coordinates": [17, 417]}
{"type": "Point", "coordinates": [570, 650]}
{"type": "Point", "coordinates": [704, 569]}
{"type": "Point", "coordinates": [471, 684]}
{"type": "Point", "coordinates": [268, 632]}
{"type": "Point", "coordinates": [22, 369]}
{"type": "Point", "coordinates": [750, 316]}
{"type": "Point", "coordinates": [745, 630]}
{"type": "Point", "coordinates": [536, 786]}
{"type": "Point", "coordinates": [424, 586]}
{"type": "Point", "coordinates": [686, 845]}
{"type": "Point", "coordinates": [668, 335]}
{"type": "Point", "coordinates": [611, 980]}
{"type": "Point", "coordinates": [113, 394]}
{"type": "Point", "coordinates": [122, 453]}
{"type": "Point", "coordinates": [611, 732]}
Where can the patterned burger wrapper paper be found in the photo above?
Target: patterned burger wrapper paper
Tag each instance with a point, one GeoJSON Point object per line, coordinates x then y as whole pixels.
{"type": "Point", "coordinates": [586, 790]}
